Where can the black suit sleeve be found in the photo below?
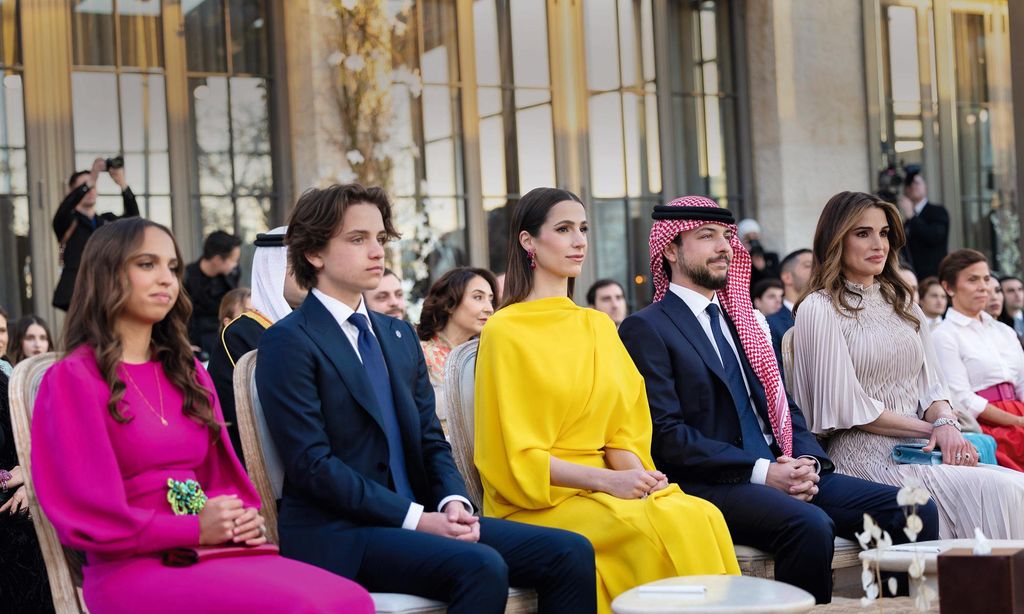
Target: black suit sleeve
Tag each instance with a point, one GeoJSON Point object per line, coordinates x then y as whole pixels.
{"type": "Point", "coordinates": [66, 211]}
{"type": "Point", "coordinates": [931, 228]}
{"type": "Point", "coordinates": [286, 379]}
{"type": "Point", "coordinates": [444, 476]}
{"type": "Point", "coordinates": [688, 450]}
{"type": "Point", "coordinates": [131, 207]}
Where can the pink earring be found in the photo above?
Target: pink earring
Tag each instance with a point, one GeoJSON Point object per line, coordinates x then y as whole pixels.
{"type": "Point", "coordinates": [532, 257]}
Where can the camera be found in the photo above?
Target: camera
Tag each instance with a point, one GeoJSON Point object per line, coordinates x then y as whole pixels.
{"type": "Point", "coordinates": [115, 162]}
{"type": "Point", "coordinates": [756, 247]}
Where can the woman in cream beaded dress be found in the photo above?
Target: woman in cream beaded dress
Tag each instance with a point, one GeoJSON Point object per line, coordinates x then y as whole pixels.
{"type": "Point", "coordinates": [866, 376]}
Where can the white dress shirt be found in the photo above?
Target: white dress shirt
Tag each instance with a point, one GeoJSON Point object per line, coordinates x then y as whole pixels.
{"type": "Point", "coordinates": [788, 304]}
{"type": "Point", "coordinates": [975, 355]}
{"type": "Point", "coordinates": [341, 313]}
{"type": "Point", "coordinates": [698, 304]}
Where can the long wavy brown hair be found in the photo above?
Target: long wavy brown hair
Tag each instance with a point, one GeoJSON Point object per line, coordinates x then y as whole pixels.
{"type": "Point", "coordinates": [838, 218]}
{"type": "Point", "coordinates": [102, 290]}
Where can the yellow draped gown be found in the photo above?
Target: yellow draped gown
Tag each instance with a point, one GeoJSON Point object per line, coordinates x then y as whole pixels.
{"type": "Point", "coordinates": [553, 379]}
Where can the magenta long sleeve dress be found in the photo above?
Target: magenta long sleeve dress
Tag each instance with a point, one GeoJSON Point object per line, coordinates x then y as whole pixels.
{"type": "Point", "coordinates": [103, 485]}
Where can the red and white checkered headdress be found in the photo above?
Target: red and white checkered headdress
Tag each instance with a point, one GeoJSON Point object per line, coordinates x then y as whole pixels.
{"type": "Point", "coordinates": [734, 298]}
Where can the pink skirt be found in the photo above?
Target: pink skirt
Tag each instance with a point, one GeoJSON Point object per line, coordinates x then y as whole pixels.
{"type": "Point", "coordinates": [266, 583]}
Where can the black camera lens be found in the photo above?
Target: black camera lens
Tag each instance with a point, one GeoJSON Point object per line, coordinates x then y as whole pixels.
{"type": "Point", "coordinates": [115, 162]}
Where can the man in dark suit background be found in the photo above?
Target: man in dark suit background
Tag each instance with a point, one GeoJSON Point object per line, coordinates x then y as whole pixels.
{"type": "Point", "coordinates": [350, 405]}
{"type": "Point", "coordinates": [724, 428]}
{"type": "Point", "coordinates": [926, 223]}
{"type": "Point", "coordinates": [795, 272]}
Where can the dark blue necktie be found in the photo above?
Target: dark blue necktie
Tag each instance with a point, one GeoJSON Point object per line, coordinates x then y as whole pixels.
{"type": "Point", "coordinates": [377, 371]}
{"type": "Point", "coordinates": [753, 438]}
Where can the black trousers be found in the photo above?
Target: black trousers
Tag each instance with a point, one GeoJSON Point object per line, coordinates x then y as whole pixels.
{"type": "Point", "coordinates": [474, 577]}
{"type": "Point", "coordinates": [801, 535]}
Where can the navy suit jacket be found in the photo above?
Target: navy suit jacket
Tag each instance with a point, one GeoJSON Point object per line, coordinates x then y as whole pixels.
{"type": "Point", "coordinates": [327, 426]}
{"type": "Point", "coordinates": [697, 435]}
{"type": "Point", "coordinates": [780, 322]}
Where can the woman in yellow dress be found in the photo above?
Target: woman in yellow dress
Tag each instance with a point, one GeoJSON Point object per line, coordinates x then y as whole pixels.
{"type": "Point", "coordinates": [563, 429]}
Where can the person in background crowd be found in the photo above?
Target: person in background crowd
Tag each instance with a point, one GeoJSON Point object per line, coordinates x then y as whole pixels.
{"type": "Point", "coordinates": [234, 304]}
{"type": "Point", "coordinates": [30, 336]}
{"type": "Point", "coordinates": [274, 295]}
{"type": "Point", "coordinates": [148, 467]}
{"type": "Point", "coordinates": [910, 278]}
{"type": "Point", "coordinates": [982, 358]}
{"type": "Point", "coordinates": [725, 427]}
{"type": "Point", "coordinates": [4, 337]}
{"type": "Point", "coordinates": [563, 431]}
{"type": "Point", "coordinates": [866, 376]}
{"type": "Point", "coordinates": [607, 296]}
{"type": "Point", "coordinates": [24, 587]}
{"type": "Point", "coordinates": [994, 306]}
{"type": "Point", "coordinates": [371, 490]}
{"type": "Point", "coordinates": [389, 297]}
{"type": "Point", "coordinates": [207, 280]}
{"type": "Point", "coordinates": [764, 264]}
{"type": "Point", "coordinates": [767, 295]}
{"type": "Point", "coordinates": [926, 224]}
{"type": "Point", "coordinates": [795, 272]}
{"type": "Point", "coordinates": [454, 311]}
{"type": "Point", "coordinates": [76, 219]}
{"type": "Point", "coordinates": [933, 301]}
{"type": "Point", "coordinates": [1013, 303]}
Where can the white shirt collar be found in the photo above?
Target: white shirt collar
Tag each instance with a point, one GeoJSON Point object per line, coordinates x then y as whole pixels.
{"type": "Point", "coordinates": [697, 302]}
{"type": "Point", "coordinates": [956, 317]}
{"type": "Point", "coordinates": [920, 206]}
{"type": "Point", "coordinates": [339, 310]}
{"type": "Point", "coordinates": [788, 304]}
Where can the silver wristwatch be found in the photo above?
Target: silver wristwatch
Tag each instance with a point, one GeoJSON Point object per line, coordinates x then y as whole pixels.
{"type": "Point", "coordinates": [944, 421]}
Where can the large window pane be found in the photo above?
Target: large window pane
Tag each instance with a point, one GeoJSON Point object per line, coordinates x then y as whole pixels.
{"type": "Point", "coordinates": [536, 148]}
{"type": "Point", "coordinates": [249, 36]}
{"type": "Point", "coordinates": [602, 50]}
{"type": "Point", "coordinates": [92, 28]}
{"type": "Point", "coordinates": [141, 39]}
{"type": "Point", "coordinates": [204, 35]}
{"type": "Point", "coordinates": [10, 33]}
{"type": "Point", "coordinates": [607, 156]}
{"type": "Point", "coordinates": [15, 251]}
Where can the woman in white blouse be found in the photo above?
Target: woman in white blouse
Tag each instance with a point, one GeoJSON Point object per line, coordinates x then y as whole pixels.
{"type": "Point", "coordinates": [866, 376]}
{"type": "Point", "coordinates": [981, 357]}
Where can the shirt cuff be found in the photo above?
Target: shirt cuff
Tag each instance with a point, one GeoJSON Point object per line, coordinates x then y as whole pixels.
{"type": "Point", "coordinates": [975, 404]}
{"type": "Point", "coordinates": [450, 498]}
{"type": "Point", "coordinates": [412, 517]}
{"type": "Point", "coordinates": [760, 473]}
{"type": "Point", "coordinates": [817, 463]}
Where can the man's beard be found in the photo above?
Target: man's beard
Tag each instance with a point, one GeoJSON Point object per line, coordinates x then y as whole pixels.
{"type": "Point", "coordinates": [703, 277]}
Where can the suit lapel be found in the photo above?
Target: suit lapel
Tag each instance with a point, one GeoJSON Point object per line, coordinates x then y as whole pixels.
{"type": "Point", "coordinates": [680, 315]}
{"type": "Point", "coordinates": [325, 332]}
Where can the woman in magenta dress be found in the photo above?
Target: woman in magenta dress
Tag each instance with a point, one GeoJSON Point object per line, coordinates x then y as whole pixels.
{"type": "Point", "coordinates": [127, 416]}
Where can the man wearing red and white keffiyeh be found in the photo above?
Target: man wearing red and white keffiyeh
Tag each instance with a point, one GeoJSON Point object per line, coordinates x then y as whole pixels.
{"type": "Point", "coordinates": [724, 428]}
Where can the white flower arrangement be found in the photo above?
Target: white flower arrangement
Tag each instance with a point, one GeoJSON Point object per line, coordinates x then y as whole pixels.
{"type": "Point", "coordinates": [910, 496]}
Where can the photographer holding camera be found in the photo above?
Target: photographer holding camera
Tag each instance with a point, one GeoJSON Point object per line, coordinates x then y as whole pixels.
{"type": "Point", "coordinates": [76, 220]}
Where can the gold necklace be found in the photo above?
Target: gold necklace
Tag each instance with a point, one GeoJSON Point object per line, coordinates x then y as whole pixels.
{"type": "Point", "coordinates": [159, 390]}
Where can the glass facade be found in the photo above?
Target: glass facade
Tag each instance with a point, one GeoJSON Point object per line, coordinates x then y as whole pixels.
{"type": "Point", "coordinates": [15, 255]}
{"type": "Point", "coordinates": [227, 50]}
{"type": "Point", "coordinates": [946, 106]}
{"type": "Point", "coordinates": [118, 100]}
{"type": "Point", "coordinates": [625, 102]}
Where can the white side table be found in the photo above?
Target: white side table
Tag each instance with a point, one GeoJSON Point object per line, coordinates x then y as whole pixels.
{"type": "Point", "coordinates": [725, 594]}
